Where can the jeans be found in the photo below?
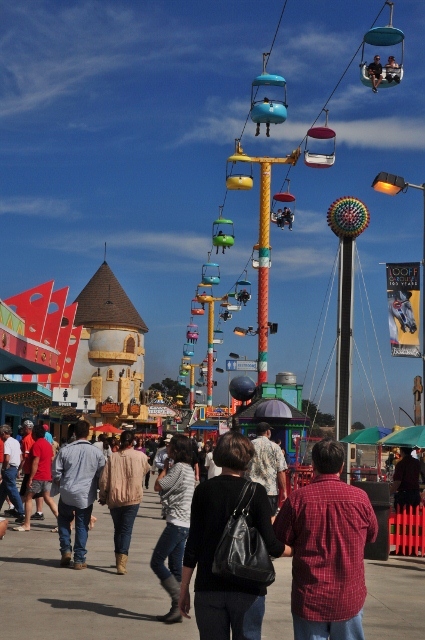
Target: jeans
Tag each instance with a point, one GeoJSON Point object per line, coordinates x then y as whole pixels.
{"type": "Point", "coordinates": [218, 612]}
{"type": "Point", "coordinates": [8, 488]}
{"type": "Point", "coordinates": [67, 513]}
{"type": "Point", "coordinates": [170, 545]}
{"type": "Point", "coordinates": [344, 630]}
{"type": "Point", "coordinates": [123, 518]}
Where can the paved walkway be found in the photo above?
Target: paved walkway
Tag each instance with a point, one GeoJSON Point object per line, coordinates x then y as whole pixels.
{"type": "Point", "coordinates": [39, 599]}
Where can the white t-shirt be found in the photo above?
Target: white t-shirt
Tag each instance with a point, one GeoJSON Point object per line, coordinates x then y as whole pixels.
{"type": "Point", "coordinates": [12, 448]}
{"type": "Point", "coordinates": [213, 470]}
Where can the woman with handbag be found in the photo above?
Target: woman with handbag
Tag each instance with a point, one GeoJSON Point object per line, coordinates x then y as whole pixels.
{"type": "Point", "coordinates": [231, 603]}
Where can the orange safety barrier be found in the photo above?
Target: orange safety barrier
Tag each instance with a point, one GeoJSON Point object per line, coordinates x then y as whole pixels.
{"type": "Point", "coordinates": [407, 530]}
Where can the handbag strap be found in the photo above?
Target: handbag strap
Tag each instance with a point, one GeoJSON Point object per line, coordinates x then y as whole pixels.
{"type": "Point", "coordinates": [248, 485]}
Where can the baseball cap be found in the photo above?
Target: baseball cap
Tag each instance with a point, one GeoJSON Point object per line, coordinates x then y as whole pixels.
{"type": "Point", "coordinates": [28, 424]}
{"type": "Point", "coordinates": [168, 438]}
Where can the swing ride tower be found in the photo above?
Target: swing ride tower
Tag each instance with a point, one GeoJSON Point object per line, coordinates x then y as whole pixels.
{"type": "Point", "coordinates": [348, 218]}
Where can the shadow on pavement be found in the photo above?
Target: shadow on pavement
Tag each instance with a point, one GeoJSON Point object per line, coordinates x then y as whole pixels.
{"type": "Point", "coordinates": [101, 609]}
{"type": "Point", "coordinates": [37, 561]}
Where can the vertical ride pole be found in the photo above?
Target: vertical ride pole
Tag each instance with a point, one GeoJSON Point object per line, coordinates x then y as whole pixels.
{"type": "Point", "coordinates": [263, 271]}
{"type": "Point", "coordinates": [192, 387]}
{"type": "Point", "coordinates": [210, 356]}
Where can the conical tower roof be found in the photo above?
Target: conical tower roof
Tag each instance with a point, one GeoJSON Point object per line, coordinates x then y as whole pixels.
{"type": "Point", "coordinates": [104, 301]}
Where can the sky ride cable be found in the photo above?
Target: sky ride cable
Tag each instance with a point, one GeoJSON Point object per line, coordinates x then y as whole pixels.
{"type": "Point", "coordinates": [366, 335]}
{"type": "Point", "coordinates": [370, 386]}
{"type": "Point", "coordinates": [326, 299]}
{"type": "Point", "coordinates": [325, 371]}
{"type": "Point", "coordinates": [268, 58]}
{"type": "Point", "coordinates": [376, 339]}
{"type": "Point", "coordinates": [365, 403]}
{"type": "Point", "coordinates": [333, 91]}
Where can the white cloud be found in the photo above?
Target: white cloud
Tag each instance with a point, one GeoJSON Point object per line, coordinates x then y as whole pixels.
{"type": "Point", "coordinates": [378, 133]}
{"type": "Point", "coordinates": [38, 207]}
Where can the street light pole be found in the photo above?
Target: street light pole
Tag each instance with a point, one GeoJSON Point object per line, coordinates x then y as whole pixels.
{"type": "Point", "coordinates": [392, 185]}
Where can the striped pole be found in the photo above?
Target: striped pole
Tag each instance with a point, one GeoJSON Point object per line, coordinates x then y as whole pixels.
{"type": "Point", "coordinates": [192, 387]}
{"type": "Point", "coordinates": [263, 271]}
{"type": "Point", "coordinates": [210, 356]}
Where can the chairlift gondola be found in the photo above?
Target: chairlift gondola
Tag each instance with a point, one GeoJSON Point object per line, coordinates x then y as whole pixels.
{"type": "Point", "coordinates": [188, 349]}
{"type": "Point", "coordinates": [269, 109]}
{"type": "Point", "coordinates": [196, 308]}
{"type": "Point", "coordinates": [320, 160]}
{"type": "Point", "coordinates": [223, 233]}
{"type": "Point", "coordinates": [210, 273]}
{"type": "Point", "coordinates": [192, 333]}
{"type": "Point", "coordinates": [242, 180]}
{"type": "Point", "coordinates": [204, 293]}
{"type": "Point", "coordinates": [279, 217]}
{"type": "Point", "coordinates": [387, 36]}
{"type": "Point", "coordinates": [243, 291]}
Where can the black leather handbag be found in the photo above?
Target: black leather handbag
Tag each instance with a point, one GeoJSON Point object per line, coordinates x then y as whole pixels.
{"type": "Point", "coordinates": [241, 555]}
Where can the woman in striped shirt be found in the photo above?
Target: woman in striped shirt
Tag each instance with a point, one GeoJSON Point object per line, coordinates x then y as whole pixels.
{"type": "Point", "coordinates": [176, 485]}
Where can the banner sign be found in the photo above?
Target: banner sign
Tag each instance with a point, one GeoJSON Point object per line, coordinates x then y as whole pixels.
{"type": "Point", "coordinates": [403, 293]}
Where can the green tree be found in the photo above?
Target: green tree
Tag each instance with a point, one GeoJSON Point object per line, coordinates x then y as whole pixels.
{"type": "Point", "coordinates": [171, 388]}
{"type": "Point", "coordinates": [357, 426]}
{"type": "Point", "coordinates": [320, 419]}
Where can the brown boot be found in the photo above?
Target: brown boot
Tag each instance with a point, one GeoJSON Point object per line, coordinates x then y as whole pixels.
{"type": "Point", "coordinates": [121, 559]}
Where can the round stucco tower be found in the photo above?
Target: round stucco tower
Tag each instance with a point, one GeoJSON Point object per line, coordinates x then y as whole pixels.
{"type": "Point", "coordinates": [110, 360]}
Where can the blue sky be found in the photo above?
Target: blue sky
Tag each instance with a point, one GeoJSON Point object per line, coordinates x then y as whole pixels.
{"type": "Point", "coordinates": [116, 119]}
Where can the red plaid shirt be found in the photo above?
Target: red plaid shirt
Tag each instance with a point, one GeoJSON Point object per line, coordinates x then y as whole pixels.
{"type": "Point", "coordinates": [328, 524]}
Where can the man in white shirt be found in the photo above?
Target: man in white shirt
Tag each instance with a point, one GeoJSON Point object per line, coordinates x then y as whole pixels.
{"type": "Point", "coordinates": [9, 471]}
{"type": "Point", "coordinates": [268, 465]}
{"type": "Point", "coordinates": [213, 470]}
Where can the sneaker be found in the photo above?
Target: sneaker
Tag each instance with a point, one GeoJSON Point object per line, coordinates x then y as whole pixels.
{"type": "Point", "coordinates": [11, 512]}
{"type": "Point", "coordinates": [20, 520]}
{"type": "Point", "coordinates": [375, 90]}
{"type": "Point", "coordinates": [80, 565]}
{"type": "Point", "coordinates": [66, 559]}
{"type": "Point", "coordinates": [37, 516]}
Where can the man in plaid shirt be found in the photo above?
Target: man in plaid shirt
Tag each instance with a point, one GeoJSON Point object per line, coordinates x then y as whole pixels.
{"type": "Point", "coordinates": [328, 524]}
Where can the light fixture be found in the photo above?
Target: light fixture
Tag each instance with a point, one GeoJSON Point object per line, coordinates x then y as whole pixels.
{"type": "Point", "coordinates": [389, 183]}
{"type": "Point", "coordinates": [240, 331]}
{"type": "Point", "coordinates": [219, 369]}
{"type": "Point", "coordinates": [236, 356]}
{"type": "Point", "coordinates": [273, 326]}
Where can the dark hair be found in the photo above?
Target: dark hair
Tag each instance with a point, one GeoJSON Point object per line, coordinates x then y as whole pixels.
{"type": "Point", "coordinates": [82, 429]}
{"type": "Point", "coordinates": [328, 456]}
{"type": "Point", "coordinates": [233, 450]}
{"type": "Point", "coordinates": [181, 449]}
{"type": "Point", "coordinates": [262, 427]}
{"type": "Point", "coordinates": [38, 431]}
{"type": "Point", "coordinates": [126, 440]}
{"type": "Point", "coordinates": [406, 450]}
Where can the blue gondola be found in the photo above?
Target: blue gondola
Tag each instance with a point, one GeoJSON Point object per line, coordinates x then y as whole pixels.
{"type": "Point", "coordinates": [188, 349]}
{"type": "Point", "coordinates": [387, 36]}
{"type": "Point", "coordinates": [243, 291]}
{"type": "Point", "coordinates": [269, 109]}
{"type": "Point", "coordinates": [210, 273]}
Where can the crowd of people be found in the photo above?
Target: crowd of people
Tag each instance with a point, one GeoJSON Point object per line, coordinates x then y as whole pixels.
{"type": "Point", "coordinates": [323, 526]}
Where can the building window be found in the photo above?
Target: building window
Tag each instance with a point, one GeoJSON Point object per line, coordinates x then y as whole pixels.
{"type": "Point", "coordinates": [129, 345]}
{"type": "Point", "coordinates": [128, 372]}
{"type": "Point", "coordinates": [110, 374]}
